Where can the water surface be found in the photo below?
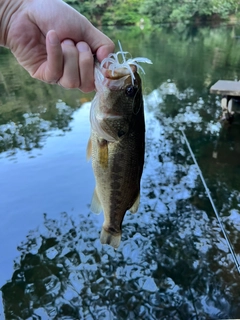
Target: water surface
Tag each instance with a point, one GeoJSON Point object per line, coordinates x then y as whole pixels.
{"type": "Point", "coordinates": [173, 262]}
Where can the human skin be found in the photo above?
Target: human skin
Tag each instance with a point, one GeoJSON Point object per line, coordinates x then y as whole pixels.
{"type": "Point", "coordinates": [52, 41]}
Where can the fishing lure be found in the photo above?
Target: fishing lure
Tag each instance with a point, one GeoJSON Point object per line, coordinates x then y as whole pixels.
{"type": "Point", "coordinates": [112, 62]}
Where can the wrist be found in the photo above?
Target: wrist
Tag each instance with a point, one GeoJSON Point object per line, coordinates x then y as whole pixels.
{"type": "Point", "coordinates": [8, 8]}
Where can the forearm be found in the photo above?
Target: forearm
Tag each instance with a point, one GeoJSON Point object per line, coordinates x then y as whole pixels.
{"type": "Point", "coordinates": [7, 10]}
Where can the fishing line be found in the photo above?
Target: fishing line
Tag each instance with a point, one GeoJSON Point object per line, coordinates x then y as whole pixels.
{"type": "Point", "coordinates": [212, 203]}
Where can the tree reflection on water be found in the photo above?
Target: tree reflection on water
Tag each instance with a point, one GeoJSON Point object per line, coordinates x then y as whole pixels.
{"type": "Point", "coordinates": [33, 129]}
{"type": "Point", "coordinates": [64, 272]}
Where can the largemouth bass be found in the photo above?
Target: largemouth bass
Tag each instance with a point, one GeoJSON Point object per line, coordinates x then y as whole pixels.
{"type": "Point", "coordinates": [117, 142]}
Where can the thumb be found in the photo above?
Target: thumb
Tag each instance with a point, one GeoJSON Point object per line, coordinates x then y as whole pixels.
{"type": "Point", "coordinates": [99, 43]}
{"type": "Point", "coordinates": [104, 50]}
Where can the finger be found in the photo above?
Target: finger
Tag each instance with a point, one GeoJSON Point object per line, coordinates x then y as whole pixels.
{"type": "Point", "coordinates": [103, 51]}
{"type": "Point", "coordinates": [98, 41]}
{"type": "Point", "coordinates": [86, 67]}
{"type": "Point", "coordinates": [52, 69]}
{"type": "Point", "coordinates": [70, 77]}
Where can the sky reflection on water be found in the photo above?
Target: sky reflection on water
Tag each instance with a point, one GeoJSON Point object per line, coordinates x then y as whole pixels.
{"type": "Point", "coordinates": [55, 168]}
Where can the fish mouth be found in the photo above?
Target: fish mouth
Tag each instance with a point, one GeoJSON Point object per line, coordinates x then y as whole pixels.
{"type": "Point", "coordinates": [118, 73]}
{"type": "Point", "coordinates": [118, 78]}
{"type": "Point", "coordinates": [113, 79]}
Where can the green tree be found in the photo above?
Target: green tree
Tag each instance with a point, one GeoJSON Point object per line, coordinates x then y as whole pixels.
{"type": "Point", "coordinates": [126, 12]}
{"type": "Point", "coordinates": [159, 11]}
{"type": "Point", "coordinates": [107, 12]}
{"type": "Point", "coordinates": [123, 12]}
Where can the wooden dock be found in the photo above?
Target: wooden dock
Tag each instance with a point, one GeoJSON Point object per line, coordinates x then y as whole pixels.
{"type": "Point", "coordinates": [228, 90]}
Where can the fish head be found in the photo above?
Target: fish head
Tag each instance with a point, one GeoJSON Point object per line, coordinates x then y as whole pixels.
{"type": "Point", "coordinates": [118, 100]}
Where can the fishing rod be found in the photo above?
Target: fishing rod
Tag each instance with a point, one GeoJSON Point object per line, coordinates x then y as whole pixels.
{"type": "Point", "coordinates": [212, 203]}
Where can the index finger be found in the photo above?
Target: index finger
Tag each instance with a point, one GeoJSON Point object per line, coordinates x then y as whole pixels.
{"type": "Point", "coordinates": [51, 69]}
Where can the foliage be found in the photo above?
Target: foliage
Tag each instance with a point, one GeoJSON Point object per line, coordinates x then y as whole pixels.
{"type": "Point", "coordinates": [130, 12]}
{"type": "Point", "coordinates": [178, 10]}
{"type": "Point", "coordinates": [108, 12]}
{"type": "Point", "coordinates": [122, 13]}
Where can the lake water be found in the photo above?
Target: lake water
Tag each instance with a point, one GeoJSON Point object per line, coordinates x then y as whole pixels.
{"type": "Point", "coordinates": [173, 261]}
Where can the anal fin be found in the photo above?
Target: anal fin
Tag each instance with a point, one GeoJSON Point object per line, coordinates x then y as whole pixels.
{"type": "Point", "coordinates": [135, 206]}
{"type": "Point", "coordinates": [96, 206]}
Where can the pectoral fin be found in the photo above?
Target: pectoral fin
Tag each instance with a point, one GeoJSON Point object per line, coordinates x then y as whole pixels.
{"type": "Point", "coordinates": [103, 153]}
{"type": "Point", "coordinates": [96, 206]}
{"type": "Point", "coordinates": [89, 149]}
{"type": "Point", "coordinates": [135, 206]}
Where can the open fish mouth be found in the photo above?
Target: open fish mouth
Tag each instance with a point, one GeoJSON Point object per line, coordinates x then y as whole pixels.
{"type": "Point", "coordinates": [119, 73]}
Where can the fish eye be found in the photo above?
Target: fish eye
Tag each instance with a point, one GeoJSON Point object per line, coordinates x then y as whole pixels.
{"type": "Point", "coordinates": [131, 91]}
{"type": "Point", "coordinates": [121, 133]}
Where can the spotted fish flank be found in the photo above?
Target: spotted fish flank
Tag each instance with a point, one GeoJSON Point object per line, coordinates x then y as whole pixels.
{"type": "Point", "coordinates": [117, 143]}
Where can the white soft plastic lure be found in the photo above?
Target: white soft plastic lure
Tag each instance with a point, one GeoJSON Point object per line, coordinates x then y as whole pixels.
{"type": "Point", "coordinates": [112, 62]}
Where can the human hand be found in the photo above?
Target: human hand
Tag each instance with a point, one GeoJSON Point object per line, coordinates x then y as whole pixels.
{"type": "Point", "coordinates": [53, 42]}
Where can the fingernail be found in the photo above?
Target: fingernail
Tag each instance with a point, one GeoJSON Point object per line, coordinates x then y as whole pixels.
{"type": "Point", "coordinates": [83, 47]}
{"type": "Point", "coordinates": [53, 38]}
{"type": "Point", "coordinates": [68, 42]}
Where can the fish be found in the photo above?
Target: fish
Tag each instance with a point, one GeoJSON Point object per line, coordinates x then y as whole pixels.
{"type": "Point", "coordinates": [117, 141]}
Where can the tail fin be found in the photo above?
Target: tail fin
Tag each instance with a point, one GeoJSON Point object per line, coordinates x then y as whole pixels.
{"type": "Point", "coordinates": [108, 238]}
